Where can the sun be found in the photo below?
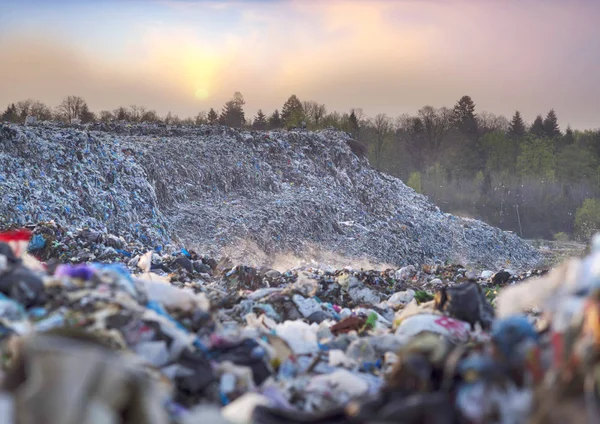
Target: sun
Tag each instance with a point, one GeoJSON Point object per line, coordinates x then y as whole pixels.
{"type": "Point", "coordinates": [202, 93]}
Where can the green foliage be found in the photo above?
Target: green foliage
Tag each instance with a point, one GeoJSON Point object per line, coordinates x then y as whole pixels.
{"type": "Point", "coordinates": [500, 151]}
{"type": "Point", "coordinates": [370, 323]}
{"type": "Point", "coordinates": [575, 163]}
{"type": "Point", "coordinates": [479, 177]}
{"type": "Point", "coordinates": [491, 294]}
{"type": "Point", "coordinates": [275, 120]}
{"type": "Point", "coordinates": [233, 111]}
{"type": "Point", "coordinates": [333, 119]}
{"type": "Point", "coordinates": [422, 296]}
{"type": "Point", "coordinates": [463, 155]}
{"type": "Point", "coordinates": [551, 129]}
{"type": "Point", "coordinates": [590, 140]}
{"type": "Point", "coordinates": [292, 113]}
{"type": "Point", "coordinates": [414, 182]}
{"type": "Point", "coordinates": [260, 121]}
{"type": "Point", "coordinates": [587, 218]}
{"type": "Point", "coordinates": [517, 128]}
{"type": "Point", "coordinates": [537, 128]}
{"type": "Point", "coordinates": [213, 117]}
{"type": "Point", "coordinates": [463, 116]}
{"type": "Point", "coordinates": [10, 114]}
{"type": "Point", "coordinates": [561, 236]}
{"type": "Point", "coordinates": [536, 158]}
{"type": "Point", "coordinates": [569, 137]}
{"type": "Point", "coordinates": [353, 124]}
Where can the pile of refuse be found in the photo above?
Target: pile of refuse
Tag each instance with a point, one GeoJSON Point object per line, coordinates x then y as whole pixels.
{"type": "Point", "coordinates": [215, 188]}
{"type": "Point", "coordinates": [156, 337]}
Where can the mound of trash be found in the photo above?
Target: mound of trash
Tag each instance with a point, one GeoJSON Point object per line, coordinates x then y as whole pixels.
{"type": "Point", "coordinates": [151, 338]}
{"type": "Point", "coordinates": [77, 178]}
{"type": "Point", "coordinates": [216, 188]}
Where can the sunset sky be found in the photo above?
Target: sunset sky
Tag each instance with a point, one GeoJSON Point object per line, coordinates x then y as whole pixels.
{"type": "Point", "coordinates": [388, 56]}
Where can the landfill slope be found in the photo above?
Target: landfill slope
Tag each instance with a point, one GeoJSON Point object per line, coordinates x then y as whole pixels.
{"type": "Point", "coordinates": [78, 179]}
{"type": "Point", "coordinates": [214, 188]}
{"type": "Point", "coordinates": [289, 191]}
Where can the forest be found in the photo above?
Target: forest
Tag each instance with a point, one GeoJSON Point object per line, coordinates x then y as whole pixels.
{"type": "Point", "coordinates": [536, 179]}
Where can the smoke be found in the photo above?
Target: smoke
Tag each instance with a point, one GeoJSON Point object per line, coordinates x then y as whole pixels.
{"type": "Point", "coordinates": [249, 253]}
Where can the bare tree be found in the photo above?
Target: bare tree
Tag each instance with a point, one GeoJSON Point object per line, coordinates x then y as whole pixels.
{"type": "Point", "coordinates": [136, 113]}
{"type": "Point", "coordinates": [121, 114]}
{"type": "Point", "coordinates": [436, 125]}
{"type": "Point", "coordinates": [201, 118]}
{"type": "Point", "coordinates": [383, 126]}
{"type": "Point", "coordinates": [106, 116]}
{"type": "Point", "coordinates": [403, 122]}
{"type": "Point", "coordinates": [33, 108]}
{"type": "Point", "coordinates": [488, 122]}
{"type": "Point", "coordinates": [150, 116]}
{"type": "Point", "coordinates": [41, 111]}
{"type": "Point", "coordinates": [319, 111]}
{"type": "Point", "coordinates": [314, 111]}
{"type": "Point", "coordinates": [172, 119]}
{"type": "Point", "coordinates": [71, 108]}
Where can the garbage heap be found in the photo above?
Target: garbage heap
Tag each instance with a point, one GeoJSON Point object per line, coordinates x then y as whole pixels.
{"type": "Point", "coordinates": [77, 178]}
{"type": "Point", "coordinates": [182, 338]}
{"type": "Point", "coordinates": [215, 189]}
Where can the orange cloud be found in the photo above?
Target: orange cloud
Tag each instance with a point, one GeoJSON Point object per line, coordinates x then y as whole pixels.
{"type": "Point", "coordinates": [384, 56]}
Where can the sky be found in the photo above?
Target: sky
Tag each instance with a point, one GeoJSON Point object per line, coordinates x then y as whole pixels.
{"type": "Point", "coordinates": [384, 56]}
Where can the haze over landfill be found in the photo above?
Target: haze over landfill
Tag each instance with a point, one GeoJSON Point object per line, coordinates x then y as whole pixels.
{"type": "Point", "coordinates": [388, 57]}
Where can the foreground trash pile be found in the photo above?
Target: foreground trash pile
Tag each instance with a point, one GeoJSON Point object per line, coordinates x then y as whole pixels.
{"type": "Point", "coordinates": [214, 188]}
{"type": "Point", "coordinates": [160, 338]}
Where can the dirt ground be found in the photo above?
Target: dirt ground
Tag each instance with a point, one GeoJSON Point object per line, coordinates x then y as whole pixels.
{"type": "Point", "coordinates": [555, 252]}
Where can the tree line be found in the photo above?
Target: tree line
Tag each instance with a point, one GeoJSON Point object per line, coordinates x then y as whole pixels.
{"type": "Point", "coordinates": [535, 180]}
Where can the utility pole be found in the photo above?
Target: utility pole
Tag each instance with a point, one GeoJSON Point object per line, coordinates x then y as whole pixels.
{"type": "Point", "coordinates": [519, 220]}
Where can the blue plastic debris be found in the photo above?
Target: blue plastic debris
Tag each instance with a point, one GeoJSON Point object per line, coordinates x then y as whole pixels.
{"type": "Point", "coordinates": [37, 242]}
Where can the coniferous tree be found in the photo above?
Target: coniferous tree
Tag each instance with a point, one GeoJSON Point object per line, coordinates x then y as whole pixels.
{"type": "Point", "coordinates": [86, 115]}
{"type": "Point", "coordinates": [560, 143]}
{"type": "Point", "coordinates": [353, 124]}
{"type": "Point", "coordinates": [10, 114]}
{"type": "Point", "coordinates": [551, 128]}
{"type": "Point", "coordinates": [464, 117]}
{"type": "Point", "coordinates": [212, 117]}
{"type": "Point", "coordinates": [233, 111]}
{"type": "Point", "coordinates": [292, 112]}
{"type": "Point", "coordinates": [537, 128]}
{"type": "Point", "coordinates": [275, 120]}
{"type": "Point", "coordinates": [569, 137]}
{"type": "Point", "coordinates": [517, 127]}
{"type": "Point", "coordinates": [260, 121]}
{"type": "Point", "coordinates": [464, 156]}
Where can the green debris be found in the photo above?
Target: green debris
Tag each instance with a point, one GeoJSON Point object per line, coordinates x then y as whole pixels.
{"type": "Point", "coordinates": [491, 294]}
{"type": "Point", "coordinates": [370, 323]}
{"type": "Point", "coordinates": [422, 296]}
